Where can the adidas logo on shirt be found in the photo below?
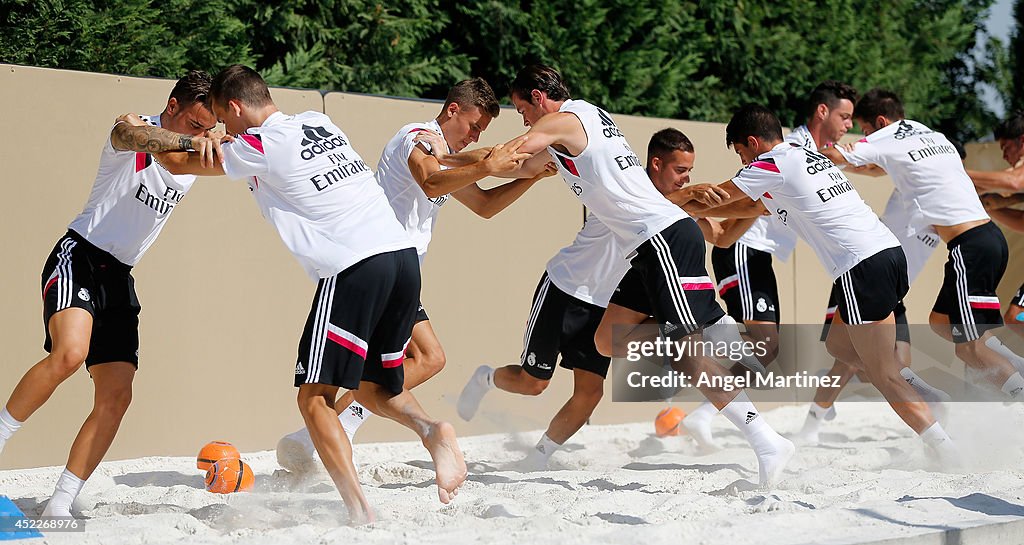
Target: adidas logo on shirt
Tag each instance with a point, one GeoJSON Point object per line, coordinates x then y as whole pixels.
{"type": "Point", "coordinates": [905, 130]}
{"type": "Point", "coordinates": [751, 415]}
{"type": "Point", "coordinates": [317, 141]}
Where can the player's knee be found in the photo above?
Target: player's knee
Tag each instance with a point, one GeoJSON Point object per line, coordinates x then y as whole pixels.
{"type": "Point", "coordinates": [434, 361]}
{"type": "Point", "coordinates": [309, 400]}
{"type": "Point", "coordinates": [968, 352]}
{"type": "Point", "coordinates": [115, 401]}
{"type": "Point", "coordinates": [535, 387]}
{"type": "Point", "coordinates": [66, 360]}
{"type": "Point", "coordinates": [840, 351]}
{"type": "Point", "coordinates": [603, 342]}
{"type": "Point", "coordinates": [589, 396]}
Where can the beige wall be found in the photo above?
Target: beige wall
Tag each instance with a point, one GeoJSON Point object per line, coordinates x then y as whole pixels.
{"type": "Point", "coordinates": [224, 302]}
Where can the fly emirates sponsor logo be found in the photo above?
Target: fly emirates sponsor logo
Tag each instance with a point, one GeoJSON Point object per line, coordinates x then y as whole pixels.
{"type": "Point", "coordinates": [931, 149]}
{"type": "Point", "coordinates": [319, 141]}
{"type": "Point", "coordinates": [162, 204]}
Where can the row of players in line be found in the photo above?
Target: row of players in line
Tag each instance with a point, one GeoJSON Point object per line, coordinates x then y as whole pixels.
{"type": "Point", "coordinates": [639, 259]}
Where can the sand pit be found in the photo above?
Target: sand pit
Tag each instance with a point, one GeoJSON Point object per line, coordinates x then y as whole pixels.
{"type": "Point", "coordinates": [870, 480]}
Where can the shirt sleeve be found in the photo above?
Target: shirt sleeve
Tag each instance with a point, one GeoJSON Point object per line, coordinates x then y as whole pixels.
{"type": "Point", "coordinates": [759, 178]}
{"type": "Point", "coordinates": [245, 157]}
{"type": "Point", "coordinates": [864, 153]}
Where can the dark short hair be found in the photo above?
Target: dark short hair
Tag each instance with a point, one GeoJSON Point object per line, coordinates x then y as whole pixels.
{"type": "Point", "coordinates": [665, 141]}
{"type": "Point", "coordinates": [542, 78]}
{"type": "Point", "coordinates": [829, 93]}
{"type": "Point", "coordinates": [752, 120]}
{"type": "Point", "coordinates": [191, 88]}
{"type": "Point", "coordinates": [1012, 128]}
{"type": "Point", "coordinates": [879, 102]}
{"type": "Point", "coordinates": [474, 93]}
{"type": "Point", "coordinates": [241, 83]}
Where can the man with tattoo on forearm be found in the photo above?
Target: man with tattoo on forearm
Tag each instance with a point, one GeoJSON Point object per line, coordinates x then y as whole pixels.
{"type": "Point", "coordinates": [90, 308]}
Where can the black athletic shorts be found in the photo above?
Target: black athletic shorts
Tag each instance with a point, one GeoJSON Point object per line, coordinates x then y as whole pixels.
{"type": "Point", "coordinates": [902, 327]}
{"type": "Point", "coordinates": [977, 261]}
{"type": "Point", "coordinates": [360, 324]}
{"type": "Point", "coordinates": [873, 288]}
{"type": "Point", "coordinates": [561, 324]}
{"type": "Point", "coordinates": [668, 280]}
{"type": "Point", "coordinates": [78, 274]}
{"type": "Point", "coordinates": [746, 282]}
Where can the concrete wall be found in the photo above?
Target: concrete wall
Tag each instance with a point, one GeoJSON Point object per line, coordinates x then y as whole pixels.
{"type": "Point", "coordinates": [224, 302]}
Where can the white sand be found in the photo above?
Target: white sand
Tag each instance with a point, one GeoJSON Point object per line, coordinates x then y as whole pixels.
{"type": "Point", "coordinates": [871, 479]}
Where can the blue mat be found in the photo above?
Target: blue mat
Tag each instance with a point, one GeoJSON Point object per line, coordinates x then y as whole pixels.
{"type": "Point", "coordinates": [9, 516]}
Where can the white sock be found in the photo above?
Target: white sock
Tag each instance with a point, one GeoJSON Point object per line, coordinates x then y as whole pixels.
{"type": "Point", "coordinates": [928, 392]}
{"type": "Point", "coordinates": [1013, 386]}
{"type": "Point", "coordinates": [938, 439]}
{"type": "Point", "coordinates": [773, 451]}
{"type": "Point", "coordinates": [816, 414]}
{"type": "Point", "coordinates": [704, 411]}
{"type": "Point", "coordinates": [64, 494]}
{"type": "Point", "coordinates": [8, 425]}
{"type": "Point", "coordinates": [352, 417]}
{"type": "Point", "coordinates": [698, 425]}
{"type": "Point", "coordinates": [998, 347]}
{"type": "Point", "coordinates": [473, 393]}
{"type": "Point", "coordinates": [546, 447]}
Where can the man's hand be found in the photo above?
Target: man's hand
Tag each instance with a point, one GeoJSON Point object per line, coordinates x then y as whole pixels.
{"type": "Point", "coordinates": [709, 195]}
{"type": "Point", "coordinates": [550, 169]}
{"type": "Point", "coordinates": [209, 150]}
{"type": "Point", "coordinates": [437, 144]}
{"type": "Point", "coordinates": [506, 157]}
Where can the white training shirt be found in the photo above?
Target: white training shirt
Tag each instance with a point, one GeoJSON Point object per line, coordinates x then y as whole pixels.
{"type": "Point", "coordinates": [415, 211]}
{"type": "Point", "coordinates": [314, 188]}
{"type": "Point", "coordinates": [919, 246]}
{"type": "Point", "coordinates": [768, 233]}
{"type": "Point", "coordinates": [926, 169]}
{"type": "Point", "coordinates": [814, 198]}
{"type": "Point", "coordinates": [611, 182]}
{"type": "Point", "coordinates": [591, 267]}
{"type": "Point", "coordinates": [130, 201]}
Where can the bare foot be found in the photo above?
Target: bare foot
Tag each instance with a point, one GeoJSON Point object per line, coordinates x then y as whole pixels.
{"type": "Point", "coordinates": [359, 517]}
{"type": "Point", "coordinates": [448, 462]}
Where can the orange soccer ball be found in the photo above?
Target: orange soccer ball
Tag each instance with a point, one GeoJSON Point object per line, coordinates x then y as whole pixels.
{"type": "Point", "coordinates": [667, 421]}
{"type": "Point", "coordinates": [213, 451]}
{"type": "Point", "coordinates": [229, 475]}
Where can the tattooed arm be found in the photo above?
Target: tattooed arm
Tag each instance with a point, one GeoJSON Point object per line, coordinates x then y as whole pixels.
{"type": "Point", "coordinates": [126, 136]}
{"type": "Point", "coordinates": [131, 133]}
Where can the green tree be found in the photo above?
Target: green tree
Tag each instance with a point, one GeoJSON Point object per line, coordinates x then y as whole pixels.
{"type": "Point", "coordinates": [1010, 64]}
{"type": "Point", "coordinates": [355, 45]}
{"type": "Point", "coordinates": [693, 60]}
{"type": "Point", "coordinates": [700, 60]}
{"type": "Point", "coordinates": [628, 56]}
{"type": "Point", "coordinates": [133, 37]}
